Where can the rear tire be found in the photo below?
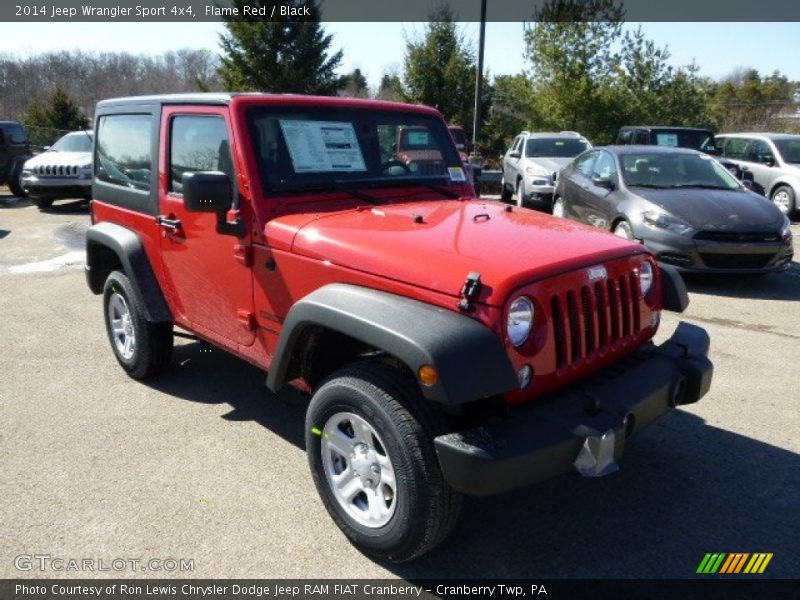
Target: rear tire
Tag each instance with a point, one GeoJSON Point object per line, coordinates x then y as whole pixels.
{"type": "Point", "coordinates": [623, 230]}
{"type": "Point", "coordinates": [141, 347]}
{"type": "Point", "coordinates": [558, 208]}
{"type": "Point", "coordinates": [369, 439]}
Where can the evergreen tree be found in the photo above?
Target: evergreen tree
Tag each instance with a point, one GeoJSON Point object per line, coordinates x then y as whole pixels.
{"type": "Point", "coordinates": [49, 121]}
{"type": "Point", "coordinates": [283, 54]}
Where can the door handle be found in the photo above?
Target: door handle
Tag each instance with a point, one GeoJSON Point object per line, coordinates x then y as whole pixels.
{"type": "Point", "coordinates": [171, 224]}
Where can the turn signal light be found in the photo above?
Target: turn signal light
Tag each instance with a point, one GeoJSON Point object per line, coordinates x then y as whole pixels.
{"type": "Point", "coordinates": [427, 375]}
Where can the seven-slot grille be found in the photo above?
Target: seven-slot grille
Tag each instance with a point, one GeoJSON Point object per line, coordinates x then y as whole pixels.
{"type": "Point", "coordinates": [589, 320]}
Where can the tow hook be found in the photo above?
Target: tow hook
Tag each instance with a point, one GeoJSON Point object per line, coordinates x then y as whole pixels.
{"type": "Point", "coordinates": [596, 457]}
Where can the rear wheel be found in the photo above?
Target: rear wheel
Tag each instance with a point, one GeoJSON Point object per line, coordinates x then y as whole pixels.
{"type": "Point", "coordinates": [520, 193]}
{"type": "Point", "coordinates": [783, 197]}
{"type": "Point", "coordinates": [369, 438]}
{"type": "Point", "coordinates": [142, 348]}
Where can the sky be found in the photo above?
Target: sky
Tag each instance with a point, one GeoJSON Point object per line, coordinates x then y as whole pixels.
{"type": "Point", "coordinates": [717, 48]}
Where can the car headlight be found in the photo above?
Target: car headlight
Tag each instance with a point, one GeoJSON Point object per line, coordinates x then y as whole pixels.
{"type": "Point", "coordinates": [646, 277]}
{"type": "Point", "coordinates": [664, 220]}
{"type": "Point", "coordinates": [520, 320]}
{"type": "Point", "coordinates": [536, 171]}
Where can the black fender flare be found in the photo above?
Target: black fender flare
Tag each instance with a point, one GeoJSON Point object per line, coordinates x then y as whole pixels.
{"type": "Point", "coordinates": [470, 359]}
{"type": "Point", "coordinates": [128, 248]}
{"type": "Point", "coordinates": [676, 298]}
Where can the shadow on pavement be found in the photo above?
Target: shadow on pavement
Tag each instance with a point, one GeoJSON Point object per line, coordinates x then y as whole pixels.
{"type": "Point", "coordinates": [775, 286]}
{"type": "Point", "coordinates": [684, 488]}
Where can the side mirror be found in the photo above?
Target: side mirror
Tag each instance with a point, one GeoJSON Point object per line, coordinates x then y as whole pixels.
{"type": "Point", "coordinates": [603, 182]}
{"type": "Point", "coordinates": [747, 177]}
{"type": "Point", "coordinates": [515, 154]}
{"type": "Point", "coordinates": [768, 160]}
{"type": "Point", "coordinates": [207, 191]}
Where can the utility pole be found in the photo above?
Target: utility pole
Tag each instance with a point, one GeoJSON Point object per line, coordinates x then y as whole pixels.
{"type": "Point", "coordinates": [476, 122]}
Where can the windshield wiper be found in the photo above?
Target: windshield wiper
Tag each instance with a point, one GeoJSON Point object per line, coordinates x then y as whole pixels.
{"type": "Point", "coordinates": [647, 185]}
{"type": "Point", "coordinates": [421, 182]}
{"type": "Point", "coordinates": [701, 186]}
{"type": "Point", "coordinates": [330, 186]}
{"type": "Point", "coordinates": [441, 190]}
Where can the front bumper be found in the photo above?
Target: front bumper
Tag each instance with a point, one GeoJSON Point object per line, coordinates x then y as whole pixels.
{"type": "Point", "coordinates": [57, 187]}
{"type": "Point", "coordinates": [582, 428]}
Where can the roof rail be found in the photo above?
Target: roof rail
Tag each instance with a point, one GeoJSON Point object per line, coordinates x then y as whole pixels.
{"type": "Point", "coordinates": [524, 132]}
{"type": "Point", "coordinates": [575, 133]}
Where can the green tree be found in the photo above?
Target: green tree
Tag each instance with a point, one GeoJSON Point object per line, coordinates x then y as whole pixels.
{"type": "Point", "coordinates": [439, 69]}
{"type": "Point", "coordinates": [49, 121]}
{"type": "Point", "coordinates": [746, 101]}
{"type": "Point", "coordinates": [283, 54]}
{"type": "Point", "coordinates": [390, 88]}
{"type": "Point", "coordinates": [355, 85]}
{"type": "Point", "coordinates": [512, 109]}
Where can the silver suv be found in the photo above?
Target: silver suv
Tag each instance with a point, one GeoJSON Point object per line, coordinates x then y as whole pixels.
{"type": "Point", "coordinates": [531, 165]}
{"type": "Point", "coordinates": [774, 161]}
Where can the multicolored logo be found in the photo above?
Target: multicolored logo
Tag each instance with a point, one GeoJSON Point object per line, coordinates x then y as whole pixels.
{"type": "Point", "coordinates": [736, 562]}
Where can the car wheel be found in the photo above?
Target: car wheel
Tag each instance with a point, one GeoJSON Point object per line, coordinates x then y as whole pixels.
{"type": "Point", "coordinates": [623, 230]}
{"type": "Point", "coordinates": [505, 193]}
{"type": "Point", "coordinates": [520, 193]}
{"type": "Point", "coordinates": [558, 208]}
{"type": "Point", "coordinates": [369, 439]}
{"type": "Point", "coordinates": [42, 203]}
{"type": "Point", "coordinates": [783, 197]}
{"type": "Point", "coordinates": [15, 183]}
{"type": "Point", "coordinates": [142, 348]}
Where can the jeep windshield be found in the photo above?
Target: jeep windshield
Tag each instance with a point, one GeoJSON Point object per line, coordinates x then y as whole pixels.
{"type": "Point", "coordinates": [300, 149]}
{"type": "Point", "coordinates": [554, 147]}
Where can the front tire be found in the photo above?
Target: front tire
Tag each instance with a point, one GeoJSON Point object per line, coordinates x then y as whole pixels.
{"type": "Point", "coordinates": [623, 230]}
{"type": "Point", "coordinates": [369, 439]}
{"type": "Point", "coordinates": [784, 199]}
{"type": "Point", "coordinates": [141, 347]}
{"type": "Point", "coordinates": [558, 207]}
{"type": "Point", "coordinates": [520, 193]}
{"type": "Point", "coordinates": [505, 193]}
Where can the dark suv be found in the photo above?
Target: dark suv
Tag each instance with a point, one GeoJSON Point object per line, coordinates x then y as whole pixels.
{"type": "Point", "coordinates": [14, 151]}
{"type": "Point", "coordinates": [696, 138]}
{"type": "Point", "coordinates": [286, 230]}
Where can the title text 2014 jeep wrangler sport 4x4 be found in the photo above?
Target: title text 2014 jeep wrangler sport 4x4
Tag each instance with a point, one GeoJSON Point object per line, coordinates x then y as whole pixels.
{"type": "Point", "coordinates": [451, 346]}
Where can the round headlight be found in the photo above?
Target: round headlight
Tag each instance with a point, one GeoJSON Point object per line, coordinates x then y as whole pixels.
{"type": "Point", "coordinates": [520, 320]}
{"type": "Point", "coordinates": [646, 277]}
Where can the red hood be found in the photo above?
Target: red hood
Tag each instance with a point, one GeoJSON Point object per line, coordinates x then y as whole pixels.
{"type": "Point", "coordinates": [454, 239]}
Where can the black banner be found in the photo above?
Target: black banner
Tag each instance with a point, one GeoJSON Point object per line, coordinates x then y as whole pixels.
{"type": "Point", "coordinates": [380, 10]}
{"type": "Point", "coordinates": [733, 588]}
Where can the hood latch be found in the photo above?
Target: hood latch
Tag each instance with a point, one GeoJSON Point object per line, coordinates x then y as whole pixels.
{"type": "Point", "coordinates": [472, 286]}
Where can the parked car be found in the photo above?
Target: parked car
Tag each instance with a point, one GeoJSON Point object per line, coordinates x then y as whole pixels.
{"type": "Point", "coordinates": [682, 204]}
{"type": "Point", "coordinates": [532, 163]}
{"type": "Point", "coordinates": [282, 229]}
{"type": "Point", "coordinates": [14, 151]}
{"type": "Point", "coordinates": [773, 160]}
{"type": "Point", "coordinates": [63, 171]}
{"type": "Point", "coordinates": [695, 138]}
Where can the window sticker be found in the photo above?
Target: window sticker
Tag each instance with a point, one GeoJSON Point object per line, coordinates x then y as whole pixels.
{"type": "Point", "coordinates": [667, 139]}
{"type": "Point", "coordinates": [418, 138]}
{"type": "Point", "coordinates": [456, 174]}
{"type": "Point", "coordinates": [322, 146]}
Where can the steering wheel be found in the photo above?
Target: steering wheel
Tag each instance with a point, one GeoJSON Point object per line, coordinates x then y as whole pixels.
{"type": "Point", "coordinates": [385, 166]}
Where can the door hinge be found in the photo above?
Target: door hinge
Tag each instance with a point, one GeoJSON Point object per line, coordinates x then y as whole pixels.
{"type": "Point", "coordinates": [243, 254]}
{"type": "Point", "coordinates": [247, 319]}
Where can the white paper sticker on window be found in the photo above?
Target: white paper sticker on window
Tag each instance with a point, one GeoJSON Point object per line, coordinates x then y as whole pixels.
{"type": "Point", "coordinates": [667, 139]}
{"type": "Point", "coordinates": [322, 146]}
{"type": "Point", "coordinates": [456, 174]}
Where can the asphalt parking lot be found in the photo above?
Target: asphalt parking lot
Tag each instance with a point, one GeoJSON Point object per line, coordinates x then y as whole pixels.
{"type": "Point", "coordinates": [205, 464]}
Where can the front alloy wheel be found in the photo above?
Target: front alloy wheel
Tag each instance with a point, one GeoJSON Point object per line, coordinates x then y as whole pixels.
{"type": "Point", "coordinates": [558, 208]}
{"type": "Point", "coordinates": [121, 325]}
{"type": "Point", "coordinates": [623, 230]}
{"type": "Point", "coordinates": [783, 197]}
{"type": "Point", "coordinates": [520, 193]}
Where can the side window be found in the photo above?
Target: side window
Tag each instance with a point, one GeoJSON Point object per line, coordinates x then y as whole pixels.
{"type": "Point", "coordinates": [642, 137]}
{"type": "Point", "coordinates": [735, 148]}
{"type": "Point", "coordinates": [758, 151]}
{"type": "Point", "coordinates": [625, 137]}
{"type": "Point", "coordinates": [584, 163]}
{"type": "Point", "coordinates": [605, 167]}
{"type": "Point", "coordinates": [198, 143]}
{"type": "Point", "coordinates": [515, 146]}
{"type": "Point", "coordinates": [123, 150]}
{"type": "Point", "coordinates": [17, 135]}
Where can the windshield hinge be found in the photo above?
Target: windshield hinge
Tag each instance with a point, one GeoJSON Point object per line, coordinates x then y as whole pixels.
{"type": "Point", "coordinates": [472, 286]}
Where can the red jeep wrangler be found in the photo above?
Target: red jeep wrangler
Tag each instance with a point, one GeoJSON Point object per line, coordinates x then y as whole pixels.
{"type": "Point", "coordinates": [451, 346]}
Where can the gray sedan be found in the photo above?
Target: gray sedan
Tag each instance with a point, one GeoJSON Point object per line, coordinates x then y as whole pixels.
{"type": "Point", "coordinates": [687, 208]}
